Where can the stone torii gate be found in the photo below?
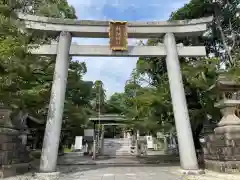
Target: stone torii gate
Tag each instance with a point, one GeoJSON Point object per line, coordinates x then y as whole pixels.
{"type": "Point", "coordinates": [68, 28]}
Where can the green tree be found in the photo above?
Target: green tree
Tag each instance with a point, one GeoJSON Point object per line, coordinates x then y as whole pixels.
{"type": "Point", "coordinates": [99, 96]}
{"type": "Point", "coordinates": [153, 101]}
{"type": "Point", "coordinates": [25, 80]}
{"type": "Point", "coordinates": [116, 104]}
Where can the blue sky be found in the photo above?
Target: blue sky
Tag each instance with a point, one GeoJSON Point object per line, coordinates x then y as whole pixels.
{"type": "Point", "coordinates": [115, 71]}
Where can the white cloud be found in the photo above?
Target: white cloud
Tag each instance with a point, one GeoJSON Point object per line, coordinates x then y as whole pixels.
{"type": "Point", "coordinates": [114, 71]}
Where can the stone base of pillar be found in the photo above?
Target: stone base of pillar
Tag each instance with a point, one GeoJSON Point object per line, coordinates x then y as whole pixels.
{"type": "Point", "coordinates": [222, 152]}
{"type": "Point", "coordinates": [47, 176]}
{"type": "Point", "coordinates": [13, 169]}
{"type": "Point", "coordinates": [223, 166]}
{"type": "Point", "coordinates": [192, 172]}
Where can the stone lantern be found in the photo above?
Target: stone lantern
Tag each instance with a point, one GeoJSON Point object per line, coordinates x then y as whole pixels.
{"type": "Point", "coordinates": [222, 148]}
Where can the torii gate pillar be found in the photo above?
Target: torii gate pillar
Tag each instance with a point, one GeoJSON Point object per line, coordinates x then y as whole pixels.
{"type": "Point", "coordinates": [55, 111]}
{"type": "Point", "coordinates": [188, 157]}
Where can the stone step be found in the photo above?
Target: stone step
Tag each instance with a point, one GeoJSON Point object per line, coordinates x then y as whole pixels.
{"type": "Point", "coordinates": [117, 143]}
{"type": "Point", "coordinates": [117, 147]}
{"type": "Point", "coordinates": [114, 152]}
{"type": "Point", "coordinates": [112, 140]}
{"type": "Point", "coordinates": [119, 150]}
{"type": "Point", "coordinates": [123, 144]}
{"type": "Point", "coordinates": [122, 149]}
{"type": "Point", "coordinates": [122, 152]}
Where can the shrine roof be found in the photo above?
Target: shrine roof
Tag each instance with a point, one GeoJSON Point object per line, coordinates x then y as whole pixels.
{"type": "Point", "coordinates": [108, 118]}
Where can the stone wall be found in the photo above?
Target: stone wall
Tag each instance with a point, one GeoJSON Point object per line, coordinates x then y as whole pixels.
{"type": "Point", "coordinates": [14, 158]}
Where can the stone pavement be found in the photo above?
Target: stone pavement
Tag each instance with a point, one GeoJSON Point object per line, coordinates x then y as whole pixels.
{"type": "Point", "coordinates": [138, 172]}
{"type": "Point", "coordinates": [110, 172]}
{"type": "Point", "coordinates": [128, 172]}
{"type": "Point", "coordinates": [125, 172]}
{"type": "Point", "coordinates": [124, 168]}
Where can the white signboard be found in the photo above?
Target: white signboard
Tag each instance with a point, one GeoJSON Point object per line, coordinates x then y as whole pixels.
{"type": "Point", "coordinates": [88, 132]}
{"type": "Point", "coordinates": [78, 142]}
{"type": "Point", "coordinates": [159, 135]}
{"type": "Point", "coordinates": [149, 142]}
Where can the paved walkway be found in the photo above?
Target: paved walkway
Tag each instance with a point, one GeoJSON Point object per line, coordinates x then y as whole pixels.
{"type": "Point", "coordinates": [126, 172]}
{"type": "Point", "coordinates": [110, 172]}
{"type": "Point", "coordinates": [124, 169]}
{"type": "Point", "coordinates": [138, 172]}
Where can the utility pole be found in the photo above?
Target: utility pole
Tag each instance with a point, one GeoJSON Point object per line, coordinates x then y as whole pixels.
{"type": "Point", "coordinates": [98, 107]}
{"type": "Point", "coordinates": [99, 113]}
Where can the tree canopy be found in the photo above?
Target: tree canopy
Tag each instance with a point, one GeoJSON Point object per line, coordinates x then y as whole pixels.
{"type": "Point", "coordinates": [25, 79]}
{"type": "Point", "coordinates": [146, 100]}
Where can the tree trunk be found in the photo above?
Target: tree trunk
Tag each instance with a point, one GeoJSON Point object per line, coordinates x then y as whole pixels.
{"type": "Point", "coordinates": [196, 135]}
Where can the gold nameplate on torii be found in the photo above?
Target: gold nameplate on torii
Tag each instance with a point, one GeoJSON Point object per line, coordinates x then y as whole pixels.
{"type": "Point", "coordinates": [118, 35]}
